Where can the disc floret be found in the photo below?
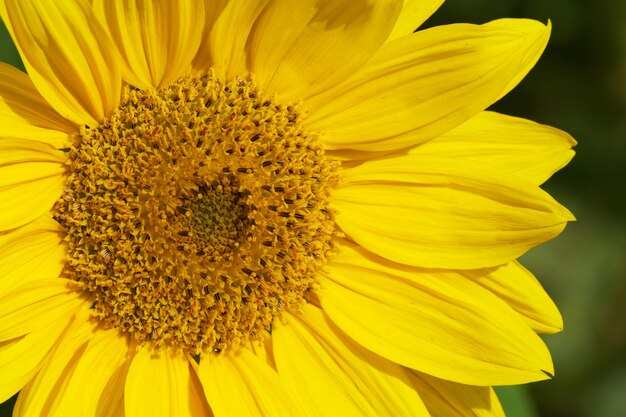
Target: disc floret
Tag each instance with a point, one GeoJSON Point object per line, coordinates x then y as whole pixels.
{"type": "Point", "coordinates": [195, 214]}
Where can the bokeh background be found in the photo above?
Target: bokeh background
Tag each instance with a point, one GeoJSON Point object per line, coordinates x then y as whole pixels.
{"type": "Point", "coordinates": [579, 85]}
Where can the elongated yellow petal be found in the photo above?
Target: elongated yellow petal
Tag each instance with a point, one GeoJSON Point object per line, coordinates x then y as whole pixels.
{"type": "Point", "coordinates": [28, 190]}
{"type": "Point", "coordinates": [326, 42]}
{"type": "Point", "coordinates": [534, 47]}
{"type": "Point", "coordinates": [20, 172]}
{"type": "Point", "coordinates": [20, 360]}
{"type": "Point", "coordinates": [156, 40]}
{"type": "Point", "coordinates": [36, 305]}
{"type": "Point", "coordinates": [438, 323]}
{"type": "Point", "coordinates": [158, 384]}
{"type": "Point", "coordinates": [38, 396]}
{"type": "Point", "coordinates": [212, 9]}
{"type": "Point", "coordinates": [520, 289]}
{"type": "Point", "coordinates": [31, 252]}
{"type": "Point", "coordinates": [329, 371]}
{"type": "Point", "coordinates": [111, 402]}
{"type": "Point", "coordinates": [25, 114]}
{"type": "Point", "coordinates": [275, 32]}
{"type": "Point", "coordinates": [229, 36]}
{"type": "Point", "coordinates": [245, 385]}
{"type": "Point", "coordinates": [31, 177]}
{"type": "Point", "coordinates": [413, 14]}
{"type": "Point", "coordinates": [518, 146]}
{"type": "Point", "coordinates": [440, 212]}
{"type": "Point", "coordinates": [449, 399]}
{"type": "Point", "coordinates": [105, 356]}
{"type": "Point", "coordinates": [68, 56]}
{"type": "Point", "coordinates": [16, 151]}
{"type": "Point", "coordinates": [423, 85]}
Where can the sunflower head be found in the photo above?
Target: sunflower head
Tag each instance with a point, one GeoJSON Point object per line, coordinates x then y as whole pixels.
{"type": "Point", "coordinates": [269, 208]}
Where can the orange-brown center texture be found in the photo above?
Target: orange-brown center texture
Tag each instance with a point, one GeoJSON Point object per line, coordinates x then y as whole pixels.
{"type": "Point", "coordinates": [196, 213]}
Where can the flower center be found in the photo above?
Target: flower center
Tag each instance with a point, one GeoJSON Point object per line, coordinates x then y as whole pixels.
{"type": "Point", "coordinates": [197, 213]}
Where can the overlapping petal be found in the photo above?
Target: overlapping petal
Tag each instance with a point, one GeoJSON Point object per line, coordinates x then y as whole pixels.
{"type": "Point", "coordinates": [68, 56]}
{"type": "Point", "coordinates": [37, 305]}
{"type": "Point", "coordinates": [533, 47]}
{"type": "Point", "coordinates": [111, 402]}
{"type": "Point", "coordinates": [17, 151]}
{"type": "Point", "coordinates": [520, 289]}
{"type": "Point", "coordinates": [156, 40]}
{"type": "Point", "coordinates": [521, 147]}
{"type": "Point", "coordinates": [39, 395]}
{"type": "Point", "coordinates": [32, 177]}
{"type": "Point", "coordinates": [330, 372]}
{"type": "Point", "coordinates": [85, 391]}
{"type": "Point", "coordinates": [32, 252]}
{"type": "Point", "coordinates": [229, 34]}
{"type": "Point", "coordinates": [423, 85]}
{"type": "Point", "coordinates": [25, 114]}
{"type": "Point", "coordinates": [449, 399]}
{"type": "Point", "coordinates": [296, 46]}
{"type": "Point", "coordinates": [212, 10]}
{"type": "Point", "coordinates": [21, 358]}
{"type": "Point", "coordinates": [160, 384]}
{"type": "Point", "coordinates": [439, 323]}
{"type": "Point", "coordinates": [441, 212]}
{"type": "Point", "coordinates": [243, 384]}
{"type": "Point", "coordinates": [412, 15]}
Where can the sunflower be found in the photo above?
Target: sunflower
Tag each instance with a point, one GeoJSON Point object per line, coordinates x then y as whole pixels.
{"type": "Point", "coordinates": [269, 208]}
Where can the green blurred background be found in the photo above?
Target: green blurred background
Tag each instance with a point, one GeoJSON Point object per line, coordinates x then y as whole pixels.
{"type": "Point", "coordinates": [579, 85]}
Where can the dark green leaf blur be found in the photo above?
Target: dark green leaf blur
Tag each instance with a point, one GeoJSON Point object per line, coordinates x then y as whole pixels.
{"type": "Point", "coordinates": [579, 86]}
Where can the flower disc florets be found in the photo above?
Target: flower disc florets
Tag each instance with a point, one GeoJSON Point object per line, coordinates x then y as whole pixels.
{"type": "Point", "coordinates": [196, 213]}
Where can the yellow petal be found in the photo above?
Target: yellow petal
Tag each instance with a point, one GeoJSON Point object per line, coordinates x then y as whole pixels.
{"type": "Point", "coordinates": [534, 47]}
{"type": "Point", "coordinates": [36, 305]}
{"type": "Point", "coordinates": [326, 42]}
{"type": "Point", "coordinates": [31, 252]}
{"type": "Point", "coordinates": [413, 14]}
{"type": "Point", "coordinates": [245, 385]}
{"type": "Point", "coordinates": [439, 323]}
{"type": "Point", "coordinates": [31, 176]}
{"type": "Point", "coordinates": [520, 289]}
{"type": "Point", "coordinates": [423, 85]}
{"type": "Point", "coordinates": [20, 360]}
{"type": "Point", "coordinates": [25, 114]}
{"type": "Point", "coordinates": [158, 384]}
{"type": "Point", "coordinates": [16, 151]}
{"type": "Point", "coordinates": [37, 397]}
{"type": "Point", "coordinates": [156, 40]}
{"type": "Point", "coordinates": [518, 146]}
{"type": "Point", "coordinates": [449, 399]}
{"type": "Point", "coordinates": [331, 372]}
{"type": "Point", "coordinates": [212, 9]}
{"type": "Point", "coordinates": [28, 190]}
{"type": "Point", "coordinates": [229, 35]}
{"type": "Point", "coordinates": [105, 356]}
{"type": "Point", "coordinates": [16, 172]}
{"type": "Point", "coordinates": [274, 34]}
{"type": "Point", "coordinates": [111, 402]}
{"type": "Point", "coordinates": [68, 56]}
{"type": "Point", "coordinates": [444, 212]}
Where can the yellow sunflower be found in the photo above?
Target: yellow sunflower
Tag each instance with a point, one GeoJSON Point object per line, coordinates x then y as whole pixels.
{"type": "Point", "coordinates": [269, 208]}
